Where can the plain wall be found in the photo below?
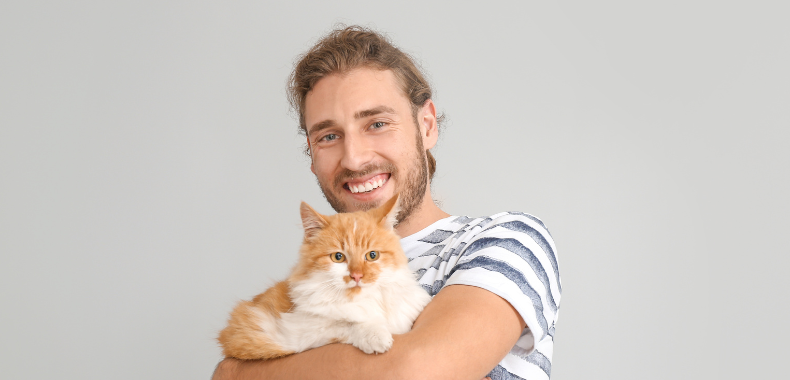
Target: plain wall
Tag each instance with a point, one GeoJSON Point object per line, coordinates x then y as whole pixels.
{"type": "Point", "coordinates": [151, 173]}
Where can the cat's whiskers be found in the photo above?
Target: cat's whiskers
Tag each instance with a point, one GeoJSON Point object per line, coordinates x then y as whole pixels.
{"type": "Point", "coordinates": [329, 284]}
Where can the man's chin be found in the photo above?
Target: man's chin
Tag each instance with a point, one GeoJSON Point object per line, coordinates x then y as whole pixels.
{"type": "Point", "coordinates": [350, 202]}
{"type": "Point", "coordinates": [364, 203]}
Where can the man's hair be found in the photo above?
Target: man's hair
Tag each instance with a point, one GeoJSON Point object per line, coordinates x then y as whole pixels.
{"type": "Point", "coordinates": [348, 48]}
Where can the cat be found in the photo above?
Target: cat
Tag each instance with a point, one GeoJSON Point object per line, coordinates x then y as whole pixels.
{"type": "Point", "coordinates": [350, 285]}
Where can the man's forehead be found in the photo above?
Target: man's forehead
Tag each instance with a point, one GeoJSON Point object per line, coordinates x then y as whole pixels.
{"type": "Point", "coordinates": [369, 80]}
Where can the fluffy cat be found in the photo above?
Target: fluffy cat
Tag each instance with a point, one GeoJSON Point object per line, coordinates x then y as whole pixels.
{"type": "Point", "coordinates": [350, 285]}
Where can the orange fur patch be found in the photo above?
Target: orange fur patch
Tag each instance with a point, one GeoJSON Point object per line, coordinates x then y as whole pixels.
{"type": "Point", "coordinates": [243, 338]}
{"type": "Point", "coordinates": [351, 292]}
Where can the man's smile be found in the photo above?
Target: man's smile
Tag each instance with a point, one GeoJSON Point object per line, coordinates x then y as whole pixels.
{"type": "Point", "coordinates": [368, 184]}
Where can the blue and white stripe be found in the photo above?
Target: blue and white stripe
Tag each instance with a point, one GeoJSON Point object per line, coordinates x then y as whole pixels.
{"type": "Point", "coordinates": [510, 254]}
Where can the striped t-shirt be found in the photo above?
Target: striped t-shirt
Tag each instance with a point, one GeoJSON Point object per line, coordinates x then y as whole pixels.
{"type": "Point", "coordinates": [510, 254]}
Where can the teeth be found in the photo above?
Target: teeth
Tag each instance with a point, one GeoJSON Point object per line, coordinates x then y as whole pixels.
{"type": "Point", "coordinates": [367, 186]}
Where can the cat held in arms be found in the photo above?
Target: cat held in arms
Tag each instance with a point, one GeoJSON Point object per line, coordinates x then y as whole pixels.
{"type": "Point", "coordinates": [350, 285]}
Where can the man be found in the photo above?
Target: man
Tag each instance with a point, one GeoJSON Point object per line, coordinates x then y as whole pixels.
{"type": "Point", "coordinates": [370, 123]}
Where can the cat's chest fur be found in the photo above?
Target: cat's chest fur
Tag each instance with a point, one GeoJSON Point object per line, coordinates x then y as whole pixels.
{"type": "Point", "coordinates": [393, 300]}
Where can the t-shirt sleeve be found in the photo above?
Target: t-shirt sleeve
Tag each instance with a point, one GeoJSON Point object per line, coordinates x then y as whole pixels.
{"type": "Point", "coordinates": [514, 257]}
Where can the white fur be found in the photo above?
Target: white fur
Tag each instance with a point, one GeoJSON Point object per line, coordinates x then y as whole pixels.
{"type": "Point", "coordinates": [323, 312]}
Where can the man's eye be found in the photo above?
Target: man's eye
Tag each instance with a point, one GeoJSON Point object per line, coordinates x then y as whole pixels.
{"type": "Point", "coordinates": [329, 137]}
{"type": "Point", "coordinates": [378, 124]}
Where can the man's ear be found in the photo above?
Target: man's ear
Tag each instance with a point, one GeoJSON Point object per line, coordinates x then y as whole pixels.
{"type": "Point", "coordinates": [312, 221]}
{"type": "Point", "coordinates": [387, 214]}
{"type": "Point", "coordinates": [429, 129]}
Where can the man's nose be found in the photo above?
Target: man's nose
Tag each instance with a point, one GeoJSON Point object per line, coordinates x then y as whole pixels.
{"type": "Point", "coordinates": [357, 153]}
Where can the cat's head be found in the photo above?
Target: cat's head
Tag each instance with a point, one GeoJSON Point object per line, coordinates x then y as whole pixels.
{"type": "Point", "coordinates": [350, 251]}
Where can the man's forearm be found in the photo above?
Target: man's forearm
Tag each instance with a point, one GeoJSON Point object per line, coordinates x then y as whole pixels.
{"type": "Point", "coordinates": [462, 334]}
{"type": "Point", "coordinates": [334, 361]}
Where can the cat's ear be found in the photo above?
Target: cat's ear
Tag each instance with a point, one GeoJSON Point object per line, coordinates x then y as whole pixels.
{"type": "Point", "coordinates": [312, 221]}
{"type": "Point", "coordinates": [387, 213]}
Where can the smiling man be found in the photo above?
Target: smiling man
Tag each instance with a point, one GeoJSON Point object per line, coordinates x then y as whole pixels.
{"type": "Point", "coordinates": [370, 123]}
{"type": "Point", "coordinates": [366, 147]}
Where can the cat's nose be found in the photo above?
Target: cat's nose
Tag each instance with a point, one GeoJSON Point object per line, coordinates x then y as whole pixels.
{"type": "Point", "coordinates": [356, 276]}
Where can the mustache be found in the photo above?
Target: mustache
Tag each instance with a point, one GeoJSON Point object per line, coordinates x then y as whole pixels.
{"type": "Point", "coordinates": [346, 175]}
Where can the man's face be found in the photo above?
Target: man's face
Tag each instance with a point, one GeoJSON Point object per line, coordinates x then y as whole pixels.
{"type": "Point", "coordinates": [364, 143]}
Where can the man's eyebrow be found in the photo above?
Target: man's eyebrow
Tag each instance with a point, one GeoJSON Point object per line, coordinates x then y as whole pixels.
{"type": "Point", "coordinates": [319, 126]}
{"type": "Point", "coordinates": [373, 111]}
{"type": "Point", "coordinates": [359, 115]}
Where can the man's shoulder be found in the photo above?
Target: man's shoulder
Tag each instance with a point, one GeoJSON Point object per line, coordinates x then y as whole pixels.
{"type": "Point", "coordinates": [506, 247]}
{"type": "Point", "coordinates": [514, 233]}
{"type": "Point", "coordinates": [455, 231]}
{"type": "Point", "coordinates": [514, 221]}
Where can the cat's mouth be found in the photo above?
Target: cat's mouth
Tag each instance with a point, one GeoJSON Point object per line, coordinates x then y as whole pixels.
{"type": "Point", "coordinates": [367, 185]}
{"type": "Point", "coordinates": [358, 285]}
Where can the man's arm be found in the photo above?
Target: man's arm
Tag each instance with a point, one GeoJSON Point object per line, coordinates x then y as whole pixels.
{"type": "Point", "coordinates": [462, 334]}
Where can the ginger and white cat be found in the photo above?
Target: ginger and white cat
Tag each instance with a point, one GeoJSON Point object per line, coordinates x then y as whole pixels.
{"type": "Point", "coordinates": [351, 285]}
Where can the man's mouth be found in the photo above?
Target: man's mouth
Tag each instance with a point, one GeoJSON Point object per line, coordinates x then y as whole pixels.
{"type": "Point", "coordinates": [368, 184]}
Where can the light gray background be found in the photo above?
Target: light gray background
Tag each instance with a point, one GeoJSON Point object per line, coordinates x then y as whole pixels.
{"type": "Point", "coordinates": [150, 172]}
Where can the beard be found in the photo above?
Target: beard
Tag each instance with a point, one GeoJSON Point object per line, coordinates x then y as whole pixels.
{"type": "Point", "coordinates": [412, 185]}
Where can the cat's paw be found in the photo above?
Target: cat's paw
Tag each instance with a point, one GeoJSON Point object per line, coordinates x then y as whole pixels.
{"type": "Point", "coordinates": [374, 341]}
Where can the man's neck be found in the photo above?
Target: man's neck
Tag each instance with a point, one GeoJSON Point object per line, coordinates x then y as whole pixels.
{"type": "Point", "coordinates": [424, 216]}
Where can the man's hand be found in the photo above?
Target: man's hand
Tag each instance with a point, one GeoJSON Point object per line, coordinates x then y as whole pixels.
{"type": "Point", "coordinates": [462, 334]}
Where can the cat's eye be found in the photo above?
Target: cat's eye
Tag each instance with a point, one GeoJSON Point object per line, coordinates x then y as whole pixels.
{"type": "Point", "coordinates": [338, 257]}
{"type": "Point", "coordinates": [372, 256]}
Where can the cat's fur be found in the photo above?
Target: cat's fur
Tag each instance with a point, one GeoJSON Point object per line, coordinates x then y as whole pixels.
{"type": "Point", "coordinates": [321, 303]}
